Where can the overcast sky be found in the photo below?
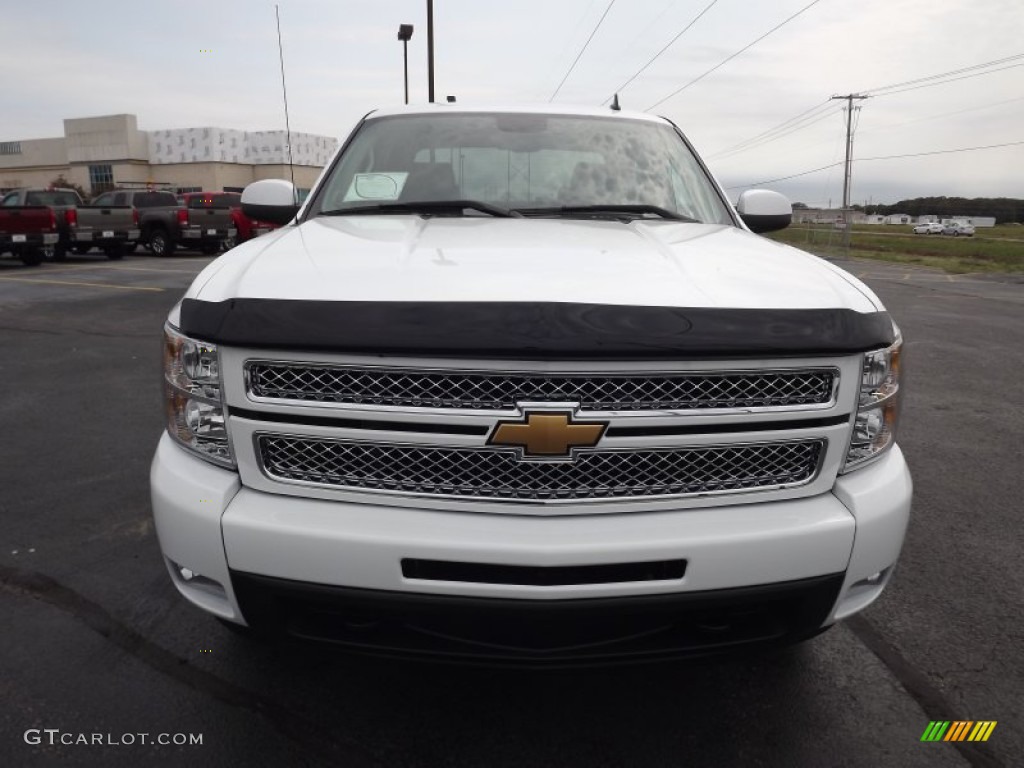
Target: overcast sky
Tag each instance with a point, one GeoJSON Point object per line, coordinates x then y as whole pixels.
{"type": "Point", "coordinates": [76, 59]}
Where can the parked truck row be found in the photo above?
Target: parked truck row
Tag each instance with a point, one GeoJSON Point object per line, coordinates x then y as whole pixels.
{"type": "Point", "coordinates": [38, 224]}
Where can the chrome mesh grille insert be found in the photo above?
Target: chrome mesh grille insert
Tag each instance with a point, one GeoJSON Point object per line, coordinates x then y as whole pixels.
{"type": "Point", "coordinates": [498, 474]}
{"type": "Point", "coordinates": [484, 390]}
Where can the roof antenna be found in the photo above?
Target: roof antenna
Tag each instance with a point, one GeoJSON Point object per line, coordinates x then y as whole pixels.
{"type": "Point", "coordinates": [287, 123]}
{"type": "Point", "coordinates": [615, 104]}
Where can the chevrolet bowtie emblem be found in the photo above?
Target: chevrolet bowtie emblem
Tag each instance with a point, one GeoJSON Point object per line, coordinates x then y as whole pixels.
{"type": "Point", "coordinates": [547, 435]}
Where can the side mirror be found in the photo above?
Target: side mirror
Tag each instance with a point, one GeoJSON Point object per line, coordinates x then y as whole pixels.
{"type": "Point", "coordinates": [270, 200]}
{"type": "Point", "coordinates": [764, 211]}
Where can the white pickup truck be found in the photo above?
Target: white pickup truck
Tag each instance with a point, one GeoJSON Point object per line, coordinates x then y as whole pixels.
{"type": "Point", "coordinates": [522, 385]}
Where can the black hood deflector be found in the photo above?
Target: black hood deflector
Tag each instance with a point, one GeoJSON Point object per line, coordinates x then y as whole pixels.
{"type": "Point", "coordinates": [533, 330]}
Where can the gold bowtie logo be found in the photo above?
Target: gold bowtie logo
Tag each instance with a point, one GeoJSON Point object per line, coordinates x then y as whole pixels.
{"type": "Point", "coordinates": [547, 435]}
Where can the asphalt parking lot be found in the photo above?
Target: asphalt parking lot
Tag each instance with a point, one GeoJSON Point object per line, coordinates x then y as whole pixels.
{"type": "Point", "coordinates": [96, 640]}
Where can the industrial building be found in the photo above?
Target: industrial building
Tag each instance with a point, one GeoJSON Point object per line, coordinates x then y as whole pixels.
{"type": "Point", "coordinates": [98, 153]}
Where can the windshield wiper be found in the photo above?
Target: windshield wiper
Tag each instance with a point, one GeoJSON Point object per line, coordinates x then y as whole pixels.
{"type": "Point", "coordinates": [610, 210]}
{"type": "Point", "coordinates": [426, 206]}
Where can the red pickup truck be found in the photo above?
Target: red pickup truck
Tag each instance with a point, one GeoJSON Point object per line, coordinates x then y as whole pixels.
{"type": "Point", "coordinates": [246, 228]}
{"type": "Point", "coordinates": [107, 224]}
{"type": "Point", "coordinates": [26, 230]}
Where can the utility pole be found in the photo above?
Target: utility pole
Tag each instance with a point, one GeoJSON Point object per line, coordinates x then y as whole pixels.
{"type": "Point", "coordinates": [430, 51]}
{"type": "Point", "coordinates": [848, 168]}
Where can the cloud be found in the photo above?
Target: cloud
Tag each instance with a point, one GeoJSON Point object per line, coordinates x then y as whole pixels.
{"type": "Point", "coordinates": [343, 60]}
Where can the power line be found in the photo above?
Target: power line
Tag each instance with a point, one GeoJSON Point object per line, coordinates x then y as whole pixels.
{"type": "Point", "coordinates": [733, 56]}
{"type": "Point", "coordinates": [943, 151]}
{"type": "Point", "coordinates": [768, 139]}
{"type": "Point", "coordinates": [784, 178]}
{"type": "Point", "coordinates": [944, 82]}
{"type": "Point", "coordinates": [643, 34]}
{"type": "Point", "coordinates": [668, 45]}
{"type": "Point", "coordinates": [582, 50]}
{"type": "Point", "coordinates": [813, 115]}
{"type": "Point", "coordinates": [961, 70]}
{"type": "Point", "coordinates": [879, 157]}
{"type": "Point", "coordinates": [784, 124]}
{"type": "Point", "coordinates": [944, 114]}
{"type": "Point", "coordinates": [569, 38]}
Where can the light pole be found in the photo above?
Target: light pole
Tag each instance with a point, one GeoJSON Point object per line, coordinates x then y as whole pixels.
{"type": "Point", "coordinates": [405, 34]}
{"type": "Point", "coordinates": [430, 51]}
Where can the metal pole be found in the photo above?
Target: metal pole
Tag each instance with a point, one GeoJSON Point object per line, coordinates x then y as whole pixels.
{"type": "Point", "coordinates": [848, 166]}
{"type": "Point", "coordinates": [430, 51]}
{"type": "Point", "coordinates": [405, 60]}
{"type": "Point", "coordinates": [849, 151]}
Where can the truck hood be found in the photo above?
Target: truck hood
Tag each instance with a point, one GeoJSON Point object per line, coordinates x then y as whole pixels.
{"type": "Point", "coordinates": [475, 259]}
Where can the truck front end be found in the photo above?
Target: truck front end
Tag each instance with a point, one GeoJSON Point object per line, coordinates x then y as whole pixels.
{"type": "Point", "coordinates": [421, 422]}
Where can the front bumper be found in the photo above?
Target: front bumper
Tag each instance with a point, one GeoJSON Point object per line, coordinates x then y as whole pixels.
{"type": "Point", "coordinates": [317, 566]}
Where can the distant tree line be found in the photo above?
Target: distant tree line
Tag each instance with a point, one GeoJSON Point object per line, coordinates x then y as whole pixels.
{"type": "Point", "coordinates": [1005, 209]}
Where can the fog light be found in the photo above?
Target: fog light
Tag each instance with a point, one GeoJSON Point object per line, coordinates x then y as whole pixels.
{"type": "Point", "coordinates": [872, 581]}
{"type": "Point", "coordinates": [196, 582]}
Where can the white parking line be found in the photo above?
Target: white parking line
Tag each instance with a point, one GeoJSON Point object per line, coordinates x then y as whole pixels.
{"type": "Point", "coordinates": [119, 268]}
{"type": "Point", "coordinates": [87, 285]}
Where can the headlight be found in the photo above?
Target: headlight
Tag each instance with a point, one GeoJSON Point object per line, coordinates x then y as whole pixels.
{"type": "Point", "coordinates": [878, 406]}
{"type": "Point", "coordinates": [195, 410]}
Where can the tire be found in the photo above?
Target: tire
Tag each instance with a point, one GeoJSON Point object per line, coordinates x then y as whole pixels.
{"type": "Point", "coordinates": [160, 243]}
{"type": "Point", "coordinates": [115, 252]}
{"type": "Point", "coordinates": [32, 257]}
{"type": "Point", "coordinates": [208, 249]}
{"type": "Point", "coordinates": [59, 252]}
{"type": "Point", "coordinates": [228, 243]}
{"type": "Point", "coordinates": [956, 234]}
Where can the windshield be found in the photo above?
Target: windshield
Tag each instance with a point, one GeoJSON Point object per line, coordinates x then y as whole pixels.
{"type": "Point", "coordinates": [57, 198]}
{"type": "Point", "coordinates": [155, 200]}
{"type": "Point", "coordinates": [537, 164]}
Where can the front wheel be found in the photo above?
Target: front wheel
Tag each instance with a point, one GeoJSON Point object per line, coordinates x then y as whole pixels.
{"type": "Point", "coordinates": [160, 244]}
{"type": "Point", "coordinates": [228, 243]}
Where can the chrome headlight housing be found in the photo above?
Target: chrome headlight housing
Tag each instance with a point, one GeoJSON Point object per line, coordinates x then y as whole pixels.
{"type": "Point", "coordinates": [193, 397]}
{"type": "Point", "coordinates": [878, 405]}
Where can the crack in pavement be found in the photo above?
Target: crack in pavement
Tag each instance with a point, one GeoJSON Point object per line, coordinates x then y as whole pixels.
{"type": "Point", "coordinates": [284, 719]}
{"type": "Point", "coordinates": [921, 689]}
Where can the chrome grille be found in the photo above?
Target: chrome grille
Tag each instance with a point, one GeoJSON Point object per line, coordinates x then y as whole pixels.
{"type": "Point", "coordinates": [484, 390]}
{"type": "Point", "coordinates": [498, 474]}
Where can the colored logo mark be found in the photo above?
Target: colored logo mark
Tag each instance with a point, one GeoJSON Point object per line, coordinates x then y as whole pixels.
{"type": "Point", "coordinates": [958, 730]}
